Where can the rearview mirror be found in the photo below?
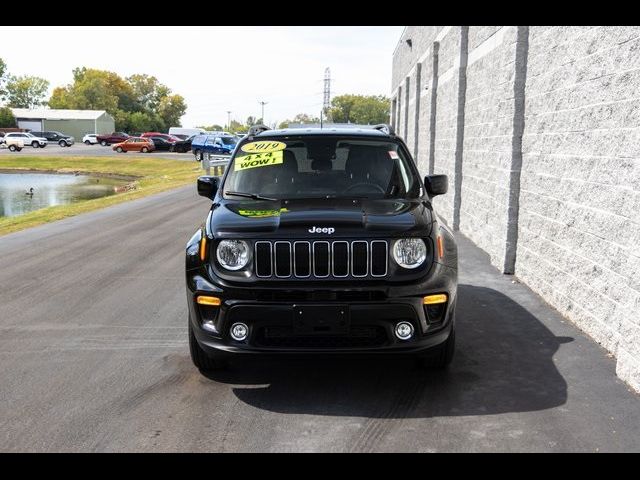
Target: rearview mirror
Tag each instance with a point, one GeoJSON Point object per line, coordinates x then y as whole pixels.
{"type": "Point", "coordinates": [436, 184]}
{"type": "Point", "coordinates": [208, 186]}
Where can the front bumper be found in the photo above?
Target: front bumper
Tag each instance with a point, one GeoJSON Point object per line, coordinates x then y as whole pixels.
{"type": "Point", "coordinates": [371, 317]}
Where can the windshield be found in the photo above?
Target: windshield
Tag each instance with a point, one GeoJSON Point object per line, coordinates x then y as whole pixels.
{"type": "Point", "coordinates": [229, 140]}
{"type": "Point", "coordinates": [322, 166]}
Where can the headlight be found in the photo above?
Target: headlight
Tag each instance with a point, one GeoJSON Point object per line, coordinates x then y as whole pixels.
{"type": "Point", "coordinates": [409, 252]}
{"type": "Point", "coordinates": [233, 254]}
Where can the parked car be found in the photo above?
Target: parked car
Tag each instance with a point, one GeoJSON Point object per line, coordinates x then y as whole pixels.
{"type": "Point", "coordinates": [90, 139]}
{"type": "Point", "coordinates": [322, 241]}
{"type": "Point", "coordinates": [220, 144]}
{"type": "Point", "coordinates": [56, 137]}
{"type": "Point", "coordinates": [188, 132]}
{"type": "Point", "coordinates": [135, 144]}
{"type": "Point", "coordinates": [161, 143]}
{"type": "Point", "coordinates": [183, 146]}
{"type": "Point", "coordinates": [13, 144]}
{"type": "Point", "coordinates": [111, 138]}
{"type": "Point", "coordinates": [169, 138]}
{"type": "Point", "coordinates": [28, 139]}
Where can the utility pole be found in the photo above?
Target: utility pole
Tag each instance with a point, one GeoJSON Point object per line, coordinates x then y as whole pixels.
{"type": "Point", "coordinates": [262, 104]}
{"type": "Point", "coordinates": [327, 90]}
{"type": "Point", "coordinates": [228, 120]}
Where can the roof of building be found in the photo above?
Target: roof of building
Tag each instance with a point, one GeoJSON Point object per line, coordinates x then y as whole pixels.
{"type": "Point", "coordinates": [54, 114]}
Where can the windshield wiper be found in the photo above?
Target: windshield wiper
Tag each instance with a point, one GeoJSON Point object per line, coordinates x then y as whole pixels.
{"type": "Point", "coordinates": [250, 195]}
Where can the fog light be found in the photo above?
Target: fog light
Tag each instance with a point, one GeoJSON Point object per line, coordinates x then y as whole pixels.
{"type": "Point", "coordinates": [239, 331]}
{"type": "Point", "coordinates": [404, 330]}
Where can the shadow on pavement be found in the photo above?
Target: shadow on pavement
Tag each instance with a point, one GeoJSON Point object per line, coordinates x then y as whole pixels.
{"type": "Point", "coordinates": [504, 363]}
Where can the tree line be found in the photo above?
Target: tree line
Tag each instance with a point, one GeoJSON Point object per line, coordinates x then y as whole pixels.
{"type": "Point", "coordinates": [359, 109]}
{"type": "Point", "coordinates": [138, 103]}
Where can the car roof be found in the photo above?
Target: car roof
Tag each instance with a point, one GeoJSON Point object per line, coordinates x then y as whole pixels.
{"type": "Point", "coordinates": [334, 131]}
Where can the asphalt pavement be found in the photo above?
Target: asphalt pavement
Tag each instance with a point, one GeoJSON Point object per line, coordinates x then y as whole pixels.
{"type": "Point", "coordinates": [94, 357]}
{"type": "Point", "coordinates": [82, 150]}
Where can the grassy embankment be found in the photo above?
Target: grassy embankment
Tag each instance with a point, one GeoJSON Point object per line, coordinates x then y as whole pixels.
{"type": "Point", "coordinates": [152, 176]}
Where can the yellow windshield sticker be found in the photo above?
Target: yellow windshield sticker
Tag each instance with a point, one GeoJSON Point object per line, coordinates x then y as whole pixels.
{"type": "Point", "coordinates": [256, 160]}
{"type": "Point", "coordinates": [261, 213]}
{"type": "Point", "coordinates": [263, 147]}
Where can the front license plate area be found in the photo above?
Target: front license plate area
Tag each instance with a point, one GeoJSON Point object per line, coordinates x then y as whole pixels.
{"type": "Point", "coordinates": [321, 320]}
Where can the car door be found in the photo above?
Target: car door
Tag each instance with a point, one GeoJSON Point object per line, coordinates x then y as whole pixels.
{"type": "Point", "coordinates": [129, 145]}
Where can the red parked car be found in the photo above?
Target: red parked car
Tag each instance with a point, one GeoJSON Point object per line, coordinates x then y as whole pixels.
{"type": "Point", "coordinates": [115, 137]}
{"type": "Point", "coordinates": [135, 144]}
{"type": "Point", "coordinates": [168, 138]}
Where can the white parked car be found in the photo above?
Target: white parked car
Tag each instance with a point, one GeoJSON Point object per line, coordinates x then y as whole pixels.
{"type": "Point", "coordinates": [90, 139]}
{"type": "Point", "coordinates": [28, 139]}
{"type": "Point", "coordinates": [13, 144]}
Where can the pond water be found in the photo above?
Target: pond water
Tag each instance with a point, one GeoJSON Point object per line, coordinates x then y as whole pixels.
{"type": "Point", "coordinates": [49, 190]}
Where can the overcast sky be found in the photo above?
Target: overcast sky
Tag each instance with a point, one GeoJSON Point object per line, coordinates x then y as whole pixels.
{"type": "Point", "coordinates": [216, 68]}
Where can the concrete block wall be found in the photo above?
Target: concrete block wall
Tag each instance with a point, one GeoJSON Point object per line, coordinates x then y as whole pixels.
{"type": "Point", "coordinates": [538, 129]}
{"type": "Point", "coordinates": [489, 111]}
{"type": "Point", "coordinates": [447, 119]}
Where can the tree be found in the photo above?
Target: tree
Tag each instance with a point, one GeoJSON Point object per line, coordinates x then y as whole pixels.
{"type": "Point", "coordinates": [7, 120]}
{"type": "Point", "coordinates": [211, 128]}
{"type": "Point", "coordinates": [93, 89]}
{"type": "Point", "coordinates": [299, 118]}
{"type": "Point", "coordinates": [170, 109]}
{"type": "Point", "coordinates": [3, 77]}
{"type": "Point", "coordinates": [361, 109]}
{"type": "Point", "coordinates": [25, 91]}
{"type": "Point", "coordinates": [141, 122]}
{"type": "Point", "coordinates": [147, 91]}
{"type": "Point", "coordinates": [140, 94]}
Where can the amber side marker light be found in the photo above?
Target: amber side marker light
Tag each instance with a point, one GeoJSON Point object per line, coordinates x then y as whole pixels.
{"type": "Point", "coordinates": [213, 301]}
{"type": "Point", "coordinates": [435, 299]}
{"type": "Point", "coordinates": [203, 248]}
{"type": "Point", "coordinates": [440, 247]}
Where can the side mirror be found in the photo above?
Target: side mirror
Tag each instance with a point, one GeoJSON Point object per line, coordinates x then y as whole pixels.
{"type": "Point", "coordinates": [436, 184]}
{"type": "Point", "coordinates": [208, 186]}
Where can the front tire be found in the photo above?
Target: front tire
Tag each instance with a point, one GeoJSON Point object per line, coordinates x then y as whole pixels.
{"type": "Point", "coordinates": [62, 143]}
{"type": "Point", "coordinates": [198, 155]}
{"type": "Point", "coordinates": [144, 150]}
{"type": "Point", "coordinates": [119, 150]}
{"type": "Point", "coordinates": [87, 142]}
{"type": "Point", "coordinates": [104, 143]}
{"type": "Point", "coordinates": [35, 144]}
{"type": "Point", "coordinates": [199, 357]}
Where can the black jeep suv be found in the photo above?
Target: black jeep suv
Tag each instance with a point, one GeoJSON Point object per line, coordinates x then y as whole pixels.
{"type": "Point", "coordinates": [56, 137]}
{"type": "Point", "coordinates": [321, 241]}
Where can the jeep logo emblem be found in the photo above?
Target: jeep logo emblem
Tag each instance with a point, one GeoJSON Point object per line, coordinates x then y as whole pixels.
{"type": "Point", "coordinates": [328, 230]}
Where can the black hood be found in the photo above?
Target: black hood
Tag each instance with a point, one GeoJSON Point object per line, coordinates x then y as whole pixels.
{"type": "Point", "coordinates": [295, 218]}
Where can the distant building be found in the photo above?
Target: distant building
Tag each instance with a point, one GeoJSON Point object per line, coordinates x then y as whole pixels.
{"type": "Point", "coordinates": [71, 122]}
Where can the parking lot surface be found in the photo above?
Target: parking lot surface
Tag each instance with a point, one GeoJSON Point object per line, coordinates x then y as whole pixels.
{"type": "Point", "coordinates": [82, 150]}
{"type": "Point", "coordinates": [94, 357]}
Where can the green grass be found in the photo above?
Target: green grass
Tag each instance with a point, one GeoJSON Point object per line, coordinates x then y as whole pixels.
{"type": "Point", "coordinates": [152, 176]}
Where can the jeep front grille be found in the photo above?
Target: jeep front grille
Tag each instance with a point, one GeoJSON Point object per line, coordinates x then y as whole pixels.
{"type": "Point", "coordinates": [321, 259]}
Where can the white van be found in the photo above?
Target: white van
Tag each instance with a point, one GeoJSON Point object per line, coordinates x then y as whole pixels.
{"type": "Point", "coordinates": [186, 131]}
